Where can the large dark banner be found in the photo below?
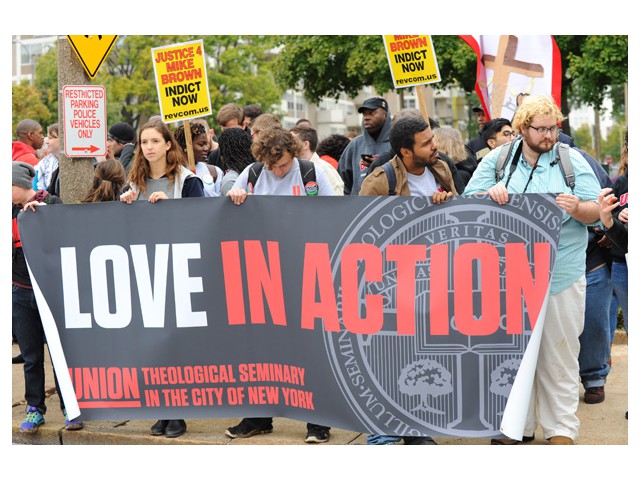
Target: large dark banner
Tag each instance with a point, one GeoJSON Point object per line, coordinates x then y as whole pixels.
{"type": "Point", "coordinates": [374, 314]}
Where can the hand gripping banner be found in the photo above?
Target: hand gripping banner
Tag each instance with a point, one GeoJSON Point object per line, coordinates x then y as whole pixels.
{"type": "Point", "coordinates": [384, 315]}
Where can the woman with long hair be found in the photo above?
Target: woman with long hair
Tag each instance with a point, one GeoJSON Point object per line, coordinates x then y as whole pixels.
{"type": "Point", "coordinates": [158, 173]}
{"type": "Point", "coordinates": [235, 151]}
{"type": "Point", "coordinates": [108, 181]}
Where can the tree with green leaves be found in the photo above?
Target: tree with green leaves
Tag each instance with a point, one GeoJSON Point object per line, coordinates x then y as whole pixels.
{"type": "Point", "coordinates": [26, 102]}
{"type": "Point", "coordinates": [238, 71]}
{"type": "Point", "coordinates": [329, 65]}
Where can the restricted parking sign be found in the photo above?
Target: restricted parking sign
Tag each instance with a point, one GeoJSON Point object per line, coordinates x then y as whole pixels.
{"type": "Point", "coordinates": [85, 120]}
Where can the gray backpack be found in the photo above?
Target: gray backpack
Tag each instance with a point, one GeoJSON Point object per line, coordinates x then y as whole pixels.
{"type": "Point", "coordinates": [562, 158]}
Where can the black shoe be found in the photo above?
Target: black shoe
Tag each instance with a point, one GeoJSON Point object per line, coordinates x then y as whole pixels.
{"type": "Point", "coordinates": [317, 434]}
{"type": "Point", "coordinates": [159, 427]}
{"type": "Point", "coordinates": [246, 428]}
{"type": "Point", "coordinates": [419, 441]}
{"type": "Point", "coordinates": [175, 428]}
{"type": "Point", "coordinates": [17, 359]}
{"type": "Point", "coordinates": [511, 441]}
{"type": "Point", "coordinates": [594, 395]}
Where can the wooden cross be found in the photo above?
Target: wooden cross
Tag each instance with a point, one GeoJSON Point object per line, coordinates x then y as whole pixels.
{"type": "Point", "coordinates": [504, 63]}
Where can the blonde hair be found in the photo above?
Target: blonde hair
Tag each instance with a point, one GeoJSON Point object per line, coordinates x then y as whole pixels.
{"type": "Point", "coordinates": [533, 106]}
{"type": "Point", "coordinates": [449, 141]}
{"type": "Point", "coordinates": [624, 161]}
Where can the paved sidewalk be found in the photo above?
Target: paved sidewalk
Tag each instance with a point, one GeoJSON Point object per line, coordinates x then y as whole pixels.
{"type": "Point", "coordinates": [602, 424]}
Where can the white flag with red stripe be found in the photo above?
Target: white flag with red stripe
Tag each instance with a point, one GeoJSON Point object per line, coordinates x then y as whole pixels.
{"type": "Point", "coordinates": [512, 64]}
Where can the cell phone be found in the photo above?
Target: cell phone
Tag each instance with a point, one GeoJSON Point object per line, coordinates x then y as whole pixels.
{"type": "Point", "coordinates": [365, 156]}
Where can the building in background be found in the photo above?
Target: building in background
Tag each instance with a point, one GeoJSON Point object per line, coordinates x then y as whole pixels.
{"type": "Point", "coordinates": [25, 51]}
{"type": "Point", "coordinates": [330, 116]}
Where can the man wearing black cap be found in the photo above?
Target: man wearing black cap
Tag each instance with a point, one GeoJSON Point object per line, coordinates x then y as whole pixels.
{"type": "Point", "coordinates": [121, 143]}
{"type": "Point", "coordinates": [478, 146]}
{"type": "Point", "coordinates": [362, 150]}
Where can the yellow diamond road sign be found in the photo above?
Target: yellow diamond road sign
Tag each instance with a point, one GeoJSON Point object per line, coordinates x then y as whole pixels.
{"type": "Point", "coordinates": [92, 50]}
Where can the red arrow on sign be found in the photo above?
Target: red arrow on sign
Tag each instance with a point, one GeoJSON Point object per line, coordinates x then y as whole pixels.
{"type": "Point", "coordinates": [90, 149]}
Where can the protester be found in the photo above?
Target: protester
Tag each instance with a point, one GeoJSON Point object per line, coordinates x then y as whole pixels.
{"type": "Point", "coordinates": [619, 271]}
{"type": "Point", "coordinates": [235, 151]}
{"type": "Point", "coordinates": [434, 125]}
{"type": "Point", "coordinates": [109, 178]}
{"type": "Point", "coordinates": [497, 132]}
{"type": "Point", "coordinates": [354, 162]}
{"type": "Point", "coordinates": [158, 173]}
{"type": "Point", "coordinates": [262, 123]}
{"type": "Point", "coordinates": [251, 112]}
{"type": "Point", "coordinates": [418, 171]}
{"type": "Point", "coordinates": [309, 140]}
{"type": "Point", "coordinates": [617, 231]}
{"type": "Point", "coordinates": [49, 163]}
{"type": "Point", "coordinates": [477, 146]}
{"type": "Point", "coordinates": [556, 389]}
{"type": "Point", "coordinates": [29, 139]}
{"type": "Point", "coordinates": [595, 339]}
{"type": "Point", "coordinates": [449, 141]}
{"type": "Point", "coordinates": [281, 173]}
{"type": "Point", "coordinates": [563, 137]}
{"type": "Point", "coordinates": [230, 115]}
{"type": "Point", "coordinates": [330, 149]}
{"type": "Point", "coordinates": [26, 322]}
{"type": "Point", "coordinates": [210, 175]}
{"type": "Point", "coordinates": [121, 143]}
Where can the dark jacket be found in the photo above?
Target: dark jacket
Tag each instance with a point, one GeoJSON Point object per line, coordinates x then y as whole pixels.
{"type": "Point", "coordinates": [596, 253]}
{"type": "Point", "coordinates": [349, 167]}
{"type": "Point", "coordinates": [619, 233]}
{"type": "Point", "coordinates": [126, 156]}
{"type": "Point", "coordinates": [477, 147]}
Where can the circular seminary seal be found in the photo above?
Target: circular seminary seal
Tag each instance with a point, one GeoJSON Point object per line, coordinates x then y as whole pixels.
{"type": "Point", "coordinates": [449, 378]}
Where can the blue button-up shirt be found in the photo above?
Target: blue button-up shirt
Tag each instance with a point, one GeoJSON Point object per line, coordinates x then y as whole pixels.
{"type": "Point", "coordinates": [571, 259]}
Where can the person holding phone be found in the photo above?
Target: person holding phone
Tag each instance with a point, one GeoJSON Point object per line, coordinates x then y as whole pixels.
{"type": "Point", "coordinates": [356, 158]}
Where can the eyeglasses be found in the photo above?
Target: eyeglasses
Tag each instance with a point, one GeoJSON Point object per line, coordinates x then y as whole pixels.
{"type": "Point", "coordinates": [543, 130]}
{"type": "Point", "coordinates": [506, 133]}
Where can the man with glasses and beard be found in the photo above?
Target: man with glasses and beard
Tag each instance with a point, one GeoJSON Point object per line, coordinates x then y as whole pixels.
{"type": "Point", "coordinates": [556, 386]}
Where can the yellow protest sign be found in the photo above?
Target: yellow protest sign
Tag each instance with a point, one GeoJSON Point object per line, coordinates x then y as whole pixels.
{"type": "Point", "coordinates": [92, 50]}
{"type": "Point", "coordinates": [412, 60]}
{"type": "Point", "coordinates": [181, 79]}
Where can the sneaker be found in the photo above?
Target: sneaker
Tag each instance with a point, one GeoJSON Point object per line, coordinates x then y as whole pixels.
{"type": "Point", "coordinates": [419, 441]}
{"type": "Point", "coordinates": [246, 428]}
{"type": "Point", "coordinates": [383, 440]}
{"type": "Point", "coordinates": [594, 395]}
{"type": "Point", "coordinates": [317, 434]}
{"type": "Point", "coordinates": [74, 424]}
{"type": "Point", "coordinates": [32, 420]}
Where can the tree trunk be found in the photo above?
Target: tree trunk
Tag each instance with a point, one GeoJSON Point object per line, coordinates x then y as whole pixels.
{"type": "Point", "coordinates": [597, 138]}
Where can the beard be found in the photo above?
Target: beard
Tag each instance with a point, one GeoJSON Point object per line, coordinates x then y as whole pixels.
{"type": "Point", "coordinates": [543, 146]}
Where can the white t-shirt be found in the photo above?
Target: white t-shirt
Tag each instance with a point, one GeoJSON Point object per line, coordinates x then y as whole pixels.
{"type": "Point", "coordinates": [289, 184]}
{"type": "Point", "coordinates": [424, 185]}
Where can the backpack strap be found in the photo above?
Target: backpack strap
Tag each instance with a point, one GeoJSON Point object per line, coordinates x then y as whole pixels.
{"type": "Point", "coordinates": [391, 177]}
{"type": "Point", "coordinates": [254, 172]}
{"type": "Point", "coordinates": [308, 174]}
{"type": "Point", "coordinates": [503, 156]}
{"type": "Point", "coordinates": [564, 159]}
